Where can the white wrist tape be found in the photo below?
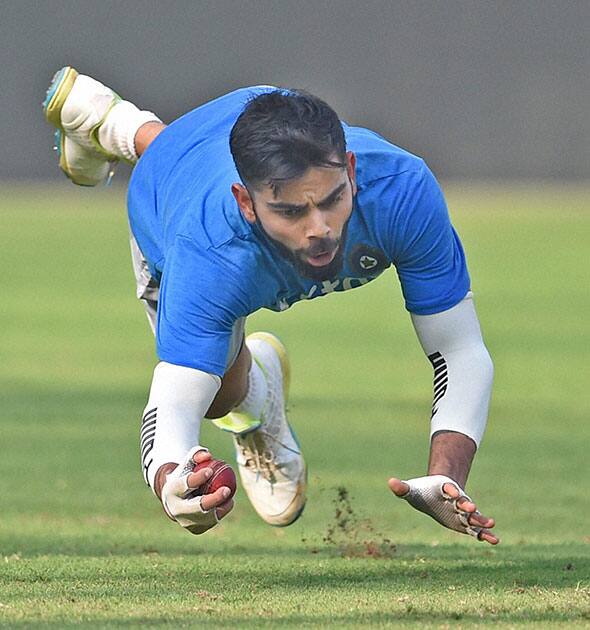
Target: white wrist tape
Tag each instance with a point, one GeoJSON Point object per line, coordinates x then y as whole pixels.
{"type": "Point", "coordinates": [178, 503]}
{"type": "Point", "coordinates": [463, 370]}
{"type": "Point", "coordinates": [427, 495]}
{"type": "Point", "coordinates": [179, 398]}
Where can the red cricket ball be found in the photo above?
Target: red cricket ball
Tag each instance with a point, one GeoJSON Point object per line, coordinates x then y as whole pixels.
{"type": "Point", "coordinates": [223, 475]}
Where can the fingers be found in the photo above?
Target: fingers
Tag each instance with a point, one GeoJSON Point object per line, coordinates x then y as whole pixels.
{"type": "Point", "coordinates": [224, 509]}
{"type": "Point", "coordinates": [215, 499]}
{"type": "Point", "coordinates": [398, 487]}
{"type": "Point", "coordinates": [487, 536]}
{"type": "Point", "coordinates": [479, 520]}
{"type": "Point", "coordinates": [201, 456]}
{"type": "Point", "coordinates": [463, 503]}
{"type": "Point", "coordinates": [452, 490]}
{"type": "Point", "coordinates": [220, 512]}
{"type": "Point", "coordinates": [181, 485]}
{"type": "Point", "coordinates": [475, 519]}
{"type": "Point", "coordinates": [197, 479]}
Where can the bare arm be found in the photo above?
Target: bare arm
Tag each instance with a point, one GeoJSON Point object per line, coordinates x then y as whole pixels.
{"type": "Point", "coordinates": [146, 134]}
{"type": "Point", "coordinates": [451, 454]}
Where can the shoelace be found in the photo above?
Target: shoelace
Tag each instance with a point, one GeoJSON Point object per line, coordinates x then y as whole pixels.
{"type": "Point", "coordinates": [262, 460]}
{"type": "Point", "coordinates": [258, 454]}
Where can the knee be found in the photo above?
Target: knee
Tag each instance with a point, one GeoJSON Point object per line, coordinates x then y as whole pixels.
{"type": "Point", "coordinates": [234, 386]}
{"type": "Point", "coordinates": [220, 408]}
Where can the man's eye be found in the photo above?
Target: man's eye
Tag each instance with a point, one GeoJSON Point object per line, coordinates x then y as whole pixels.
{"type": "Point", "coordinates": [334, 201]}
{"type": "Point", "coordinates": [290, 213]}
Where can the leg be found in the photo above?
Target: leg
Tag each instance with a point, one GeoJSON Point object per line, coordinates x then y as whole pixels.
{"type": "Point", "coordinates": [269, 458]}
{"type": "Point", "coordinates": [94, 127]}
{"type": "Point", "coordinates": [234, 386]}
{"type": "Point", "coordinates": [146, 134]}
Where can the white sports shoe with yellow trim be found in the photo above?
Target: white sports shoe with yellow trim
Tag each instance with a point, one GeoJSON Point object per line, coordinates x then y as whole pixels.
{"type": "Point", "coordinates": [269, 458]}
{"type": "Point", "coordinates": [77, 105]}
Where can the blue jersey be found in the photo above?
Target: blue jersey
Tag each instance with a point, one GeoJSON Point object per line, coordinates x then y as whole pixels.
{"type": "Point", "coordinates": [214, 267]}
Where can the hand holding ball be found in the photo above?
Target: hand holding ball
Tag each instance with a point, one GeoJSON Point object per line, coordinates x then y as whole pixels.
{"type": "Point", "coordinates": [223, 476]}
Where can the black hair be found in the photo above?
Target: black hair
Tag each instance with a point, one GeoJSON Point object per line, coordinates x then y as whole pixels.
{"type": "Point", "coordinates": [280, 134]}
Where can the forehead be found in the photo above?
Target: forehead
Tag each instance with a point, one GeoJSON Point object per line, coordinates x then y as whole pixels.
{"type": "Point", "coordinates": [315, 182]}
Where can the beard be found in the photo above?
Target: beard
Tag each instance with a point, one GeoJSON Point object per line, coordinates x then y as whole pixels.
{"type": "Point", "coordinates": [324, 245]}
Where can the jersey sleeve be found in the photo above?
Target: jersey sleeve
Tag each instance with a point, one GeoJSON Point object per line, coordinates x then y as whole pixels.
{"type": "Point", "coordinates": [428, 257]}
{"type": "Point", "coordinates": [200, 300]}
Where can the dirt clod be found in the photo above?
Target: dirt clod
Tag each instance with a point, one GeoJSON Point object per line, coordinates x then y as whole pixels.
{"type": "Point", "coordinates": [352, 535]}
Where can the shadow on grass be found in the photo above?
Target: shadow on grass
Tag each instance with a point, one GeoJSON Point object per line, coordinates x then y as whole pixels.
{"type": "Point", "coordinates": [555, 566]}
{"type": "Point", "coordinates": [527, 616]}
{"type": "Point", "coordinates": [239, 587]}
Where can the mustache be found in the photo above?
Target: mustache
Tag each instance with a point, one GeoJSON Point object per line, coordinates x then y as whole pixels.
{"type": "Point", "coordinates": [321, 246]}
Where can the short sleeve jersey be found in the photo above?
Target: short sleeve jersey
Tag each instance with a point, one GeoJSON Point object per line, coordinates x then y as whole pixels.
{"type": "Point", "coordinates": [214, 267]}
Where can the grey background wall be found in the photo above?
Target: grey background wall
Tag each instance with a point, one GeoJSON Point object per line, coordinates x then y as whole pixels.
{"type": "Point", "coordinates": [481, 89]}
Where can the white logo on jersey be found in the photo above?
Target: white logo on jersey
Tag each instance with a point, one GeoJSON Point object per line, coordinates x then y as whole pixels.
{"type": "Point", "coordinates": [324, 288]}
{"type": "Point", "coordinates": [367, 262]}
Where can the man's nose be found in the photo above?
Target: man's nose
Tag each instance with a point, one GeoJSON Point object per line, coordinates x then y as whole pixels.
{"type": "Point", "coordinates": [317, 226]}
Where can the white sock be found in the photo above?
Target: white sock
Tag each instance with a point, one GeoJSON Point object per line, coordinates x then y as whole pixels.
{"type": "Point", "coordinates": [255, 398]}
{"type": "Point", "coordinates": [117, 133]}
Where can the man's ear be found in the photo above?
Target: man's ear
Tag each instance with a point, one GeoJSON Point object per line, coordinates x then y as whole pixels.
{"type": "Point", "coordinates": [244, 201]}
{"type": "Point", "coordinates": [351, 169]}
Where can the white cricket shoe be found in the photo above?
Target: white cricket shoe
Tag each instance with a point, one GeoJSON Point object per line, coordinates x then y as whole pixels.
{"type": "Point", "coordinates": [269, 458]}
{"type": "Point", "coordinates": [77, 106]}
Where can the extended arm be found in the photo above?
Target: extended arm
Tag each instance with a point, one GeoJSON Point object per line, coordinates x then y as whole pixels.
{"type": "Point", "coordinates": [179, 398]}
{"type": "Point", "coordinates": [463, 374]}
{"type": "Point", "coordinates": [463, 370]}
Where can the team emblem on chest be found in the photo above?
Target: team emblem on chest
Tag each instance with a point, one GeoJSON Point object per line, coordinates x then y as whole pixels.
{"type": "Point", "coordinates": [367, 261]}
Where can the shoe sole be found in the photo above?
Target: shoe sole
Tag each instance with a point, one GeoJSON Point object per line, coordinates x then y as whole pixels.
{"type": "Point", "coordinates": [291, 518]}
{"type": "Point", "coordinates": [280, 349]}
{"type": "Point", "coordinates": [57, 93]}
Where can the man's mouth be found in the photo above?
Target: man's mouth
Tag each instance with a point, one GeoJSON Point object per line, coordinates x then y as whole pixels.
{"type": "Point", "coordinates": [321, 259]}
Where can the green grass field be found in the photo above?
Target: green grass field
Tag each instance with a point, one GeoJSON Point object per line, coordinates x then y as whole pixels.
{"type": "Point", "coordinates": [82, 541]}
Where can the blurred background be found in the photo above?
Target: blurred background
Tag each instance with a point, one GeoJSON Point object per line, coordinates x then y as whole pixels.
{"type": "Point", "coordinates": [482, 90]}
